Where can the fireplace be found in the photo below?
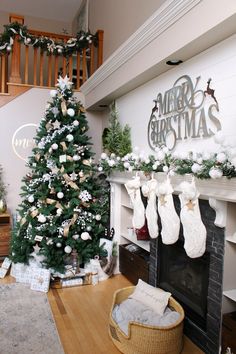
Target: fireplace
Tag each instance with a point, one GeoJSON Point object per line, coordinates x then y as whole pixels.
{"type": "Point", "coordinates": [186, 278]}
{"type": "Point", "coordinates": [195, 283]}
{"type": "Point", "coordinates": [204, 304]}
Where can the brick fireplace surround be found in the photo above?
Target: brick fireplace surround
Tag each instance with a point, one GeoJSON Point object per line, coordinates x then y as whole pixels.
{"type": "Point", "coordinates": [207, 338]}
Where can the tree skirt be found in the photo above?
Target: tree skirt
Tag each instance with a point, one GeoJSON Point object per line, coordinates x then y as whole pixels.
{"type": "Point", "coordinates": [26, 322]}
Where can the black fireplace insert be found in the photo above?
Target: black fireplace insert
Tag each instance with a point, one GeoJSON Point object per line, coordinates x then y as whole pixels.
{"type": "Point", "coordinates": [186, 278]}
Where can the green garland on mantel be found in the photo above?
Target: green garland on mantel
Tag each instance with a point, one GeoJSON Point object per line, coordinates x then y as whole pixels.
{"type": "Point", "coordinates": [200, 165]}
{"type": "Point", "coordinates": [73, 45]}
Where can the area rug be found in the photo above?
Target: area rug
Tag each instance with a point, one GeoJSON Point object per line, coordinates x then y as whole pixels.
{"type": "Point", "coordinates": [26, 322]}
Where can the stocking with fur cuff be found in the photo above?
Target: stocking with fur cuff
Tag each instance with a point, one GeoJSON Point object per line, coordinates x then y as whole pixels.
{"type": "Point", "coordinates": [133, 189]}
{"type": "Point", "coordinates": [149, 191]}
{"type": "Point", "coordinates": [193, 228]}
{"type": "Point", "coordinates": [169, 219]}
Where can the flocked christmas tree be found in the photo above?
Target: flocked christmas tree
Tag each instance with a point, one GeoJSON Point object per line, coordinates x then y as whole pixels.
{"type": "Point", "coordinates": [64, 203]}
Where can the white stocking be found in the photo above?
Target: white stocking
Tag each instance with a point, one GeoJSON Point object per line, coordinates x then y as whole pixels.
{"type": "Point", "coordinates": [133, 189]}
{"type": "Point", "coordinates": [169, 219]}
{"type": "Point", "coordinates": [149, 191]}
{"type": "Point", "coordinates": [193, 227]}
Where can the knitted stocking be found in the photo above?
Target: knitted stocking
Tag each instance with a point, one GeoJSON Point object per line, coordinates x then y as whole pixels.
{"type": "Point", "coordinates": [133, 189]}
{"type": "Point", "coordinates": [149, 191]}
{"type": "Point", "coordinates": [169, 219]}
{"type": "Point", "coordinates": [193, 227]}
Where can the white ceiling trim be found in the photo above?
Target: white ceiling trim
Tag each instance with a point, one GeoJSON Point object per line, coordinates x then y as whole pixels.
{"type": "Point", "coordinates": [170, 12]}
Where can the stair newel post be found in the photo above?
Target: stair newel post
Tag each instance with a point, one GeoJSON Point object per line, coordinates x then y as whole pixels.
{"type": "Point", "coordinates": [3, 66]}
{"type": "Point", "coordinates": [100, 48]}
{"type": "Point", "coordinates": [15, 76]}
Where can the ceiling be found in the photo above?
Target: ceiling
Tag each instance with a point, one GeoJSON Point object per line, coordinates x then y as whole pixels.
{"type": "Point", "coordinates": [60, 10]}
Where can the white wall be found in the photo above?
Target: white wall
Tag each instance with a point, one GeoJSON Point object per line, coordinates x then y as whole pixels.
{"type": "Point", "coordinates": [37, 23]}
{"type": "Point", "coordinates": [25, 109]}
{"type": "Point", "coordinates": [119, 19]}
{"type": "Point", "coordinates": [218, 63]}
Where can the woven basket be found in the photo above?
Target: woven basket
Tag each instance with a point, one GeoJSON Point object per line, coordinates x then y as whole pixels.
{"type": "Point", "coordinates": [142, 339]}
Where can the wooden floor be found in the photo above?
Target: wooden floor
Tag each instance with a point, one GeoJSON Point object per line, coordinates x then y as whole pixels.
{"type": "Point", "coordinates": [81, 314]}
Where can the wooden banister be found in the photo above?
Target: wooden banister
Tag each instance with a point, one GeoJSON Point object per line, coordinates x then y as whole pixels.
{"type": "Point", "coordinates": [78, 71]}
{"type": "Point", "coordinates": [50, 70]}
{"type": "Point", "coordinates": [15, 57]}
{"type": "Point", "coordinates": [40, 67]}
{"type": "Point", "coordinates": [35, 65]}
{"type": "Point", "coordinates": [3, 66]}
{"type": "Point", "coordinates": [26, 65]}
{"type": "Point", "coordinates": [100, 34]}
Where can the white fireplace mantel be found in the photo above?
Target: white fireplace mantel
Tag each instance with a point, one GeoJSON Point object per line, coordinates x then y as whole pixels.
{"type": "Point", "coordinates": [217, 191]}
{"type": "Point", "coordinates": [221, 189]}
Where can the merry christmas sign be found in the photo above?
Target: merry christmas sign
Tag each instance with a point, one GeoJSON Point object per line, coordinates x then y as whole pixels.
{"type": "Point", "coordinates": [188, 110]}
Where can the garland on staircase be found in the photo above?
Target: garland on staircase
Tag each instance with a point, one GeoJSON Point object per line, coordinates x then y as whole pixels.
{"type": "Point", "coordinates": [73, 44]}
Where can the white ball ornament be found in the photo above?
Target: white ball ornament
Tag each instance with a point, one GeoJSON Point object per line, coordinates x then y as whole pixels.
{"type": "Point", "coordinates": [98, 217]}
{"type": "Point", "coordinates": [215, 173]}
{"type": "Point", "coordinates": [75, 237]}
{"type": "Point", "coordinates": [165, 168]}
{"type": "Point", "coordinates": [111, 163]}
{"type": "Point", "coordinates": [81, 174]}
{"type": "Point", "coordinates": [196, 168]}
{"type": "Point", "coordinates": [68, 249]}
{"type": "Point", "coordinates": [54, 146]}
{"type": "Point", "coordinates": [58, 244]}
{"type": "Point", "coordinates": [28, 40]}
{"type": "Point", "coordinates": [85, 236]}
{"type": "Point", "coordinates": [59, 50]}
{"type": "Point", "coordinates": [53, 93]}
{"type": "Point", "coordinates": [9, 48]}
{"type": "Point", "coordinates": [76, 157]}
{"type": "Point", "coordinates": [60, 195]}
{"type": "Point", "coordinates": [69, 137]}
{"type": "Point", "coordinates": [88, 228]}
{"type": "Point", "coordinates": [103, 156]}
{"type": "Point", "coordinates": [41, 218]}
{"type": "Point", "coordinates": [31, 199]}
{"type": "Point", "coordinates": [40, 145]}
{"type": "Point", "coordinates": [100, 169]}
{"type": "Point", "coordinates": [221, 157]}
{"type": "Point", "coordinates": [75, 123]}
{"type": "Point", "coordinates": [70, 112]}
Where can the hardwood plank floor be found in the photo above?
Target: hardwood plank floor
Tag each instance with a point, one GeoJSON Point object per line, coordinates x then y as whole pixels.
{"type": "Point", "coordinates": [81, 315]}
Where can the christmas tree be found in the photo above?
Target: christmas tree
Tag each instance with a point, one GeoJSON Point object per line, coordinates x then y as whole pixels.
{"type": "Point", "coordinates": [64, 204]}
{"type": "Point", "coordinates": [116, 139]}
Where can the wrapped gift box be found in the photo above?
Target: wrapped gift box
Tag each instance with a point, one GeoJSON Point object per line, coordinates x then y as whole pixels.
{"type": "Point", "coordinates": [40, 280]}
{"type": "Point", "coordinates": [21, 272]}
{"type": "Point", "coordinates": [4, 267]}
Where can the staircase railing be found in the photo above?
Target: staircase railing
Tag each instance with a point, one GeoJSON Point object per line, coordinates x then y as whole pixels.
{"type": "Point", "coordinates": [23, 63]}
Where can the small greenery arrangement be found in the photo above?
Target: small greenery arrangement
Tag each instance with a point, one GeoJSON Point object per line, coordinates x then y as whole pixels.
{"type": "Point", "coordinates": [116, 140]}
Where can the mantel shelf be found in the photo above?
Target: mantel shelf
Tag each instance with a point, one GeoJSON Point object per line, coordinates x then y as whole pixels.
{"type": "Point", "coordinates": [231, 238]}
{"type": "Point", "coordinates": [231, 294]}
{"type": "Point", "coordinates": [221, 189]}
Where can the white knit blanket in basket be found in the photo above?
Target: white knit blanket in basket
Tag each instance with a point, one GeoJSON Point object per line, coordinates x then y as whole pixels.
{"type": "Point", "coordinates": [133, 310]}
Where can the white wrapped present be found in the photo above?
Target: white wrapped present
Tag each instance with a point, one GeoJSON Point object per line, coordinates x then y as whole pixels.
{"type": "Point", "coordinates": [40, 280]}
{"type": "Point", "coordinates": [21, 272]}
{"type": "Point", "coordinates": [4, 267]}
